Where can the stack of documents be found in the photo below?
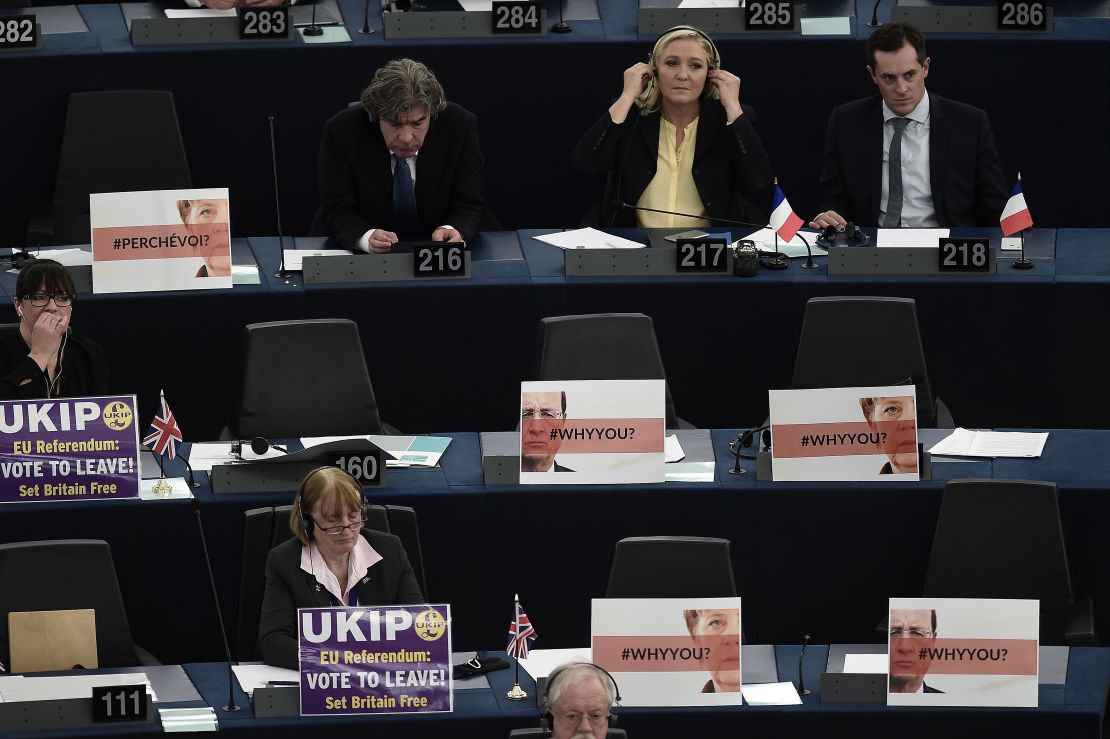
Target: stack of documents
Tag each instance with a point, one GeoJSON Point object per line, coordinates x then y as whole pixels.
{"type": "Point", "coordinates": [964, 443]}
{"type": "Point", "coordinates": [587, 238]}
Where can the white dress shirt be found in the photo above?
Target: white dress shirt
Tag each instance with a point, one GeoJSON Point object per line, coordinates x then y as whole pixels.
{"type": "Point", "coordinates": [917, 192]}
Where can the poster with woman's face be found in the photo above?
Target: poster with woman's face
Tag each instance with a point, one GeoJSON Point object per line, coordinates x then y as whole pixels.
{"type": "Point", "coordinates": [861, 433]}
{"type": "Point", "coordinates": [161, 240]}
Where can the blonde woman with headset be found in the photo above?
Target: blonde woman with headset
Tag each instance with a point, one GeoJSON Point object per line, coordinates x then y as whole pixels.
{"type": "Point", "coordinates": [678, 139]}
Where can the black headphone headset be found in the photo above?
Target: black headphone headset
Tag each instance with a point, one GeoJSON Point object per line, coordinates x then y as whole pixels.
{"type": "Point", "coordinates": [547, 721]}
{"type": "Point", "coordinates": [714, 60]}
{"type": "Point", "coordinates": [307, 524]}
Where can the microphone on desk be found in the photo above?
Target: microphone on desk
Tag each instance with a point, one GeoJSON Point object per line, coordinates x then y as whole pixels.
{"type": "Point", "coordinates": [282, 273]}
{"type": "Point", "coordinates": [802, 690]}
{"type": "Point", "coordinates": [874, 22]}
{"type": "Point", "coordinates": [773, 259]}
{"type": "Point", "coordinates": [259, 445]}
{"type": "Point", "coordinates": [366, 29]}
{"type": "Point", "coordinates": [230, 707]}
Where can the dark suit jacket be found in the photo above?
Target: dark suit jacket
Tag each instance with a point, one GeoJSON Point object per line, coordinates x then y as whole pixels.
{"type": "Point", "coordinates": [84, 369]}
{"type": "Point", "coordinates": [389, 582]}
{"type": "Point", "coordinates": [964, 170]}
{"type": "Point", "coordinates": [356, 180]}
{"type": "Point", "coordinates": [731, 170]}
{"type": "Point", "coordinates": [927, 689]}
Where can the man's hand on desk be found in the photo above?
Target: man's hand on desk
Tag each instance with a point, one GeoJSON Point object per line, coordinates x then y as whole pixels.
{"type": "Point", "coordinates": [828, 218]}
{"type": "Point", "coordinates": [382, 241]}
{"type": "Point", "coordinates": [220, 4]}
{"type": "Point", "coordinates": [447, 234]}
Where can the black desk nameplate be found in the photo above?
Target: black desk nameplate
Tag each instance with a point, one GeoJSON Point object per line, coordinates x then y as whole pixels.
{"type": "Point", "coordinates": [52, 715]}
{"type": "Point", "coordinates": [264, 23]}
{"type": "Point", "coordinates": [965, 255]}
{"type": "Point", "coordinates": [659, 260]}
{"type": "Point", "coordinates": [365, 465]}
{"type": "Point", "coordinates": [446, 24]}
{"type": "Point", "coordinates": [771, 15]}
{"type": "Point", "coordinates": [962, 19]}
{"type": "Point", "coordinates": [705, 254]}
{"type": "Point", "coordinates": [112, 703]}
{"type": "Point", "coordinates": [1022, 15]}
{"type": "Point", "coordinates": [853, 687]}
{"type": "Point", "coordinates": [20, 33]}
{"type": "Point", "coordinates": [398, 267]}
{"type": "Point", "coordinates": [515, 17]}
{"type": "Point", "coordinates": [891, 260]}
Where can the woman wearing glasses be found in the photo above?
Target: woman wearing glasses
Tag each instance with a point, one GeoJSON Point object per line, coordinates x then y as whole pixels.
{"type": "Point", "coordinates": [333, 561]}
{"type": "Point", "coordinates": [41, 358]}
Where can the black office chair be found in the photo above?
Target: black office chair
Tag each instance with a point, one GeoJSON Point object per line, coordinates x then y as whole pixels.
{"type": "Point", "coordinates": [114, 141]}
{"type": "Point", "coordinates": [265, 528]}
{"type": "Point", "coordinates": [671, 567]}
{"type": "Point", "coordinates": [1004, 539]}
{"type": "Point", "coordinates": [69, 574]}
{"type": "Point", "coordinates": [866, 341]}
{"type": "Point", "coordinates": [306, 378]}
{"type": "Point", "coordinates": [602, 346]}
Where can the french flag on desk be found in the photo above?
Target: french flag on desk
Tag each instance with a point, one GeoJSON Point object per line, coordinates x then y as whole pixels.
{"type": "Point", "coordinates": [783, 218]}
{"type": "Point", "coordinates": [164, 432]}
{"type": "Point", "coordinates": [1016, 216]}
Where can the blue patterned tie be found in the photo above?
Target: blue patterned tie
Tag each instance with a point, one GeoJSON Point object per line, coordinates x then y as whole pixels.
{"type": "Point", "coordinates": [404, 197]}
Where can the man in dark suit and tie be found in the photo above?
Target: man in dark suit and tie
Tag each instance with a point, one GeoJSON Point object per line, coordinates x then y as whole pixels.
{"type": "Point", "coordinates": [404, 162]}
{"type": "Point", "coordinates": [906, 157]}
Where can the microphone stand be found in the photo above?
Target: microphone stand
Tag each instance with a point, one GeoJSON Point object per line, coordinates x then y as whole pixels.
{"type": "Point", "coordinates": [282, 273]}
{"type": "Point", "coordinates": [312, 29]}
{"type": "Point", "coordinates": [874, 22]}
{"type": "Point", "coordinates": [562, 26]}
{"type": "Point", "coordinates": [802, 690]}
{"type": "Point", "coordinates": [230, 707]}
{"type": "Point", "coordinates": [366, 29]}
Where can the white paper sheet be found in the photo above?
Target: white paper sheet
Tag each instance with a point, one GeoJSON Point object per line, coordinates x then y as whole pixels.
{"type": "Point", "coordinates": [915, 237]}
{"type": "Point", "coordinates": [764, 240]}
{"type": "Point", "coordinates": [294, 258]}
{"type": "Point", "coordinates": [251, 676]}
{"type": "Point", "coordinates": [199, 13]}
{"type": "Point", "coordinates": [203, 455]}
{"type": "Point", "coordinates": [540, 662]}
{"type": "Point", "coordinates": [408, 451]}
{"type": "Point", "coordinates": [1011, 243]}
{"type": "Point", "coordinates": [67, 687]}
{"type": "Point", "coordinates": [834, 26]}
{"type": "Point", "coordinates": [709, 4]}
{"type": "Point", "coordinates": [690, 472]}
{"type": "Point", "coordinates": [587, 238]}
{"type": "Point", "coordinates": [964, 443]}
{"type": "Point", "coordinates": [771, 694]}
{"type": "Point", "coordinates": [672, 450]}
{"type": "Point", "coordinates": [474, 6]}
{"type": "Point", "coordinates": [868, 664]}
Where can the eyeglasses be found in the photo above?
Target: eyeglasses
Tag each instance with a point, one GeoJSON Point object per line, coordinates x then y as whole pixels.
{"type": "Point", "coordinates": [911, 633]}
{"type": "Point", "coordinates": [595, 718]}
{"type": "Point", "coordinates": [543, 415]}
{"type": "Point", "coordinates": [39, 300]}
{"type": "Point", "coordinates": [337, 530]}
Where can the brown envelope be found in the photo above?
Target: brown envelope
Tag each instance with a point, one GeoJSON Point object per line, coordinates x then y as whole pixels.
{"type": "Point", "coordinates": [52, 640]}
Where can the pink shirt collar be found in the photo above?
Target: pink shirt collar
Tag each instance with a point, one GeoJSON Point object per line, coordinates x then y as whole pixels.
{"type": "Point", "coordinates": [362, 558]}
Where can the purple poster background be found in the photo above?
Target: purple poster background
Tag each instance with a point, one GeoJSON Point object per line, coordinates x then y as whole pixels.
{"type": "Point", "coordinates": [375, 659]}
{"type": "Point", "coordinates": [69, 449]}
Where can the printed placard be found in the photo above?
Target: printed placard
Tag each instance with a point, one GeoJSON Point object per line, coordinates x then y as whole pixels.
{"type": "Point", "coordinates": [592, 431]}
{"type": "Point", "coordinates": [670, 651]}
{"type": "Point", "coordinates": [160, 240]}
{"type": "Point", "coordinates": [854, 433]}
{"type": "Point", "coordinates": [963, 652]}
{"type": "Point", "coordinates": [388, 659]}
{"type": "Point", "coordinates": [69, 449]}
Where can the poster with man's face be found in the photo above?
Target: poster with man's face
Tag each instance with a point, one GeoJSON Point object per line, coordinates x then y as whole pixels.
{"type": "Point", "coordinates": [592, 431]}
{"type": "Point", "coordinates": [963, 652]}
{"type": "Point", "coordinates": [861, 433]}
{"type": "Point", "coordinates": [161, 240]}
{"type": "Point", "coordinates": [670, 651]}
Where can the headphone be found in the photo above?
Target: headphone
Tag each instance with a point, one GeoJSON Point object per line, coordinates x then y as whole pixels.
{"type": "Point", "coordinates": [307, 524]}
{"type": "Point", "coordinates": [547, 721]}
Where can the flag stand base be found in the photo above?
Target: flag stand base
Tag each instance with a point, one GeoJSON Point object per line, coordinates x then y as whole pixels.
{"type": "Point", "coordinates": [162, 487]}
{"type": "Point", "coordinates": [777, 261]}
{"type": "Point", "coordinates": [516, 694]}
{"type": "Point", "coordinates": [1023, 263]}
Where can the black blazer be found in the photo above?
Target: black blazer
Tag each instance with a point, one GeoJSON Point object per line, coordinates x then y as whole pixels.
{"type": "Point", "coordinates": [731, 170]}
{"type": "Point", "coordinates": [389, 582]}
{"type": "Point", "coordinates": [356, 180]}
{"type": "Point", "coordinates": [84, 369]}
{"type": "Point", "coordinates": [965, 173]}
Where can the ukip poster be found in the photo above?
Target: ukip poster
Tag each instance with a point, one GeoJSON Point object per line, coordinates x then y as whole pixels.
{"type": "Point", "coordinates": [382, 659]}
{"type": "Point", "coordinates": [69, 449]}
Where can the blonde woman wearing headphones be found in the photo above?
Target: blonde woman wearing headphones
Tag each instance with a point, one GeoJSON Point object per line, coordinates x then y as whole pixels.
{"type": "Point", "coordinates": [677, 139]}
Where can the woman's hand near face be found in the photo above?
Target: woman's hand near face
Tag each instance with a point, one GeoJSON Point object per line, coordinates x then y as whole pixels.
{"type": "Point", "coordinates": [636, 79]}
{"type": "Point", "coordinates": [728, 86]}
{"type": "Point", "coordinates": [46, 337]}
